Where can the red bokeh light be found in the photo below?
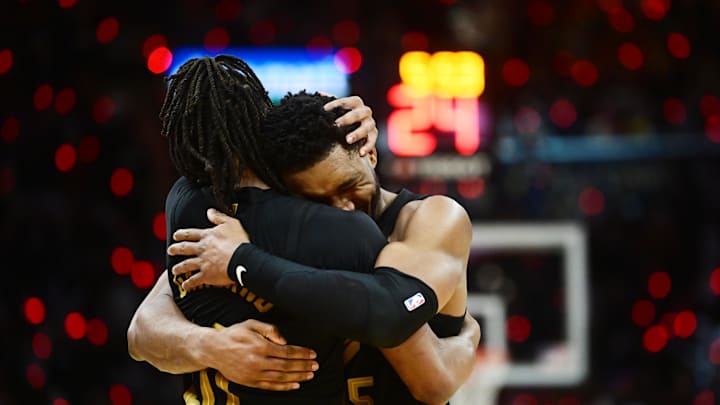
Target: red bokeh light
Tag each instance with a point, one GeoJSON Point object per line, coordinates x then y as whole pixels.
{"type": "Point", "coordinates": [122, 260]}
{"type": "Point", "coordinates": [320, 43]}
{"type": "Point", "coordinates": [262, 32]}
{"type": "Point", "coordinates": [715, 352]}
{"type": "Point", "coordinates": [471, 188]}
{"type": "Point", "coordinates": [684, 324]}
{"type": "Point", "coordinates": [227, 10]}
{"type": "Point", "coordinates": [591, 201]}
{"type": "Point", "coordinates": [142, 274]}
{"type": "Point", "coordinates": [65, 157]}
{"type": "Point", "coordinates": [42, 347]}
{"type": "Point", "coordinates": [655, 9]}
{"type": "Point", "coordinates": [527, 120]}
{"type": "Point", "coordinates": [6, 61]}
{"type": "Point", "coordinates": [348, 60]}
{"type": "Point", "coordinates": [524, 399]}
{"type": "Point", "coordinates": [678, 45]}
{"type": "Point", "coordinates": [709, 105]}
{"type": "Point", "coordinates": [65, 101]}
{"type": "Point", "coordinates": [659, 284]}
{"type": "Point", "coordinates": [75, 325]}
{"type": "Point", "coordinates": [415, 41]}
{"type": "Point", "coordinates": [152, 43]}
{"type": "Point", "coordinates": [7, 180]}
{"type": "Point", "coordinates": [160, 60]}
{"type": "Point", "coordinates": [216, 40]}
{"type": "Point", "coordinates": [540, 13]}
{"type": "Point", "coordinates": [34, 310]}
{"type": "Point", "coordinates": [518, 328]}
{"type": "Point", "coordinates": [10, 130]}
{"type": "Point", "coordinates": [433, 186]}
{"type": "Point", "coordinates": [346, 33]}
{"type": "Point", "coordinates": [35, 376]}
{"type": "Point", "coordinates": [584, 73]}
{"type": "Point", "coordinates": [121, 182]}
{"type": "Point", "coordinates": [715, 281]}
{"type": "Point", "coordinates": [107, 30]}
{"type": "Point", "coordinates": [562, 62]}
{"type": "Point", "coordinates": [674, 111]}
{"type": "Point", "coordinates": [643, 313]}
{"type": "Point", "coordinates": [66, 3]}
{"type": "Point", "coordinates": [120, 395]}
{"type": "Point", "coordinates": [89, 149]}
{"type": "Point", "coordinates": [712, 128]}
{"type": "Point", "coordinates": [43, 97]}
{"type": "Point", "coordinates": [97, 332]}
{"type": "Point", "coordinates": [568, 401]}
{"type": "Point", "coordinates": [630, 56]}
{"type": "Point", "coordinates": [621, 20]}
{"type": "Point", "coordinates": [705, 397]}
{"type": "Point", "coordinates": [103, 110]}
{"type": "Point", "coordinates": [516, 72]}
{"type": "Point", "coordinates": [60, 401]}
{"type": "Point", "coordinates": [655, 338]}
{"type": "Point", "coordinates": [159, 226]}
{"type": "Point", "coordinates": [563, 113]}
{"type": "Point", "coordinates": [609, 5]}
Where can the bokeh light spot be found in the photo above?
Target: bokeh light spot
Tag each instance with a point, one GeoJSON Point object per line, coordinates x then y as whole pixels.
{"type": "Point", "coordinates": [66, 3]}
{"type": "Point", "coordinates": [655, 338]}
{"type": "Point", "coordinates": [107, 30]}
{"type": "Point", "coordinates": [43, 97]}
{"type": "Point", "coordinates": [65, 157]}
{"type": "Point", "coordinates": [563, 113]}
{"type": "Point", "coordinates": [262, 32]}
{"type": "Point", "coordinates": [65, 101]}
{"type": "Point", "coordinates": [6, 61]}
{"type": "Point", "coordinates": [643, 313]}
{"type": "Point", "coordinates": [152, 43]}
{"type": "Point", "coordinates": [684, 324]}
{"type": "Point", "coordinates": [415, 41]}
{"type": "Point", "coordinates": [75, 325]}
{"type": "Point", "coordinates": [518, 328]}
{"type": "Point", "coordinates": [715, 281]}
{"type": "Point", "coordinates": [709, 105]}
{"type": "Point", "coordinates": [655, 9]}
{"type": "Point", "coordinates": [159, 226]}
{"type": "Point", "coordinates": [89, 149]}
{"type": "Point", "coordinates": [216, 40]}
{"type": "Point", "coordinates": [122, 260]}
{"type": "Point", "coordinates": [348, 60]}
{"type": "Point", "coordinates": [516, 72]}
{"type": "Point", "coordinates": [471, 188]}
{"type": "Point", "coordinates": [712, 128]}
{"type": "Point", "coordinates": [103, 110]}
{"type": "Point", "coordinates": [227, 10]}
{"type": "Point", "coordinates": [609, 5]}
{"type": "Point", "coordinates": [715, 352]}
{"type": "Point", "coordinates": [34, 310]}
{"type": "Point", "coordinates": [630, 56]}
{"type": "Point", "coordinates": [142, 274]}
{"type": "Point", "coordinates": [10, 130]}
{"type": "Point", "coordinates": [35, 376]}
{"type": "Point", "coordinates": [121, 182]}
{"type": "Point", "coordinates": [674, 111]}
{"type": "Point", "coordinates": [584, 73]}
{"type": "Point", "coordinates": [120, 395]}
{"type": "Point", "coordinates": [524, 399]}
{"type": "Point", "coordinates": [678, 45]}
{"type": "Point", "coordinates": [97, 332]}
{"type": "Point", "coordinates": [42, 347]}
{"type": "Point", "coordinates": [704, 397]}
{"type": "Point", "coordinates": [621, 20]}
{"type": "Point", "coordinates": [659, 284]}
{"type": "Point", "coordinates": [346, 33]}
{"type": "Point", "coordinates": [591, 201]}
{"type": "Point", "coordinates": [160, 60]}
{"type": "Point", "coordinates": [540, 13]}
{"type": "Point", "coordinates": [60, 401]}
{"type": "Point", "coordinates": [527, 120]}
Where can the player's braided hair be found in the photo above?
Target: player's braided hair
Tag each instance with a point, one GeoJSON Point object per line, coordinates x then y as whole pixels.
{"type": "Point", "coordinates": [212, 116]}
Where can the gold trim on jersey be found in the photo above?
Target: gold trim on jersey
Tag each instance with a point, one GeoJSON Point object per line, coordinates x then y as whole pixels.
{"type": "Point", "coordinates": [354, 385]}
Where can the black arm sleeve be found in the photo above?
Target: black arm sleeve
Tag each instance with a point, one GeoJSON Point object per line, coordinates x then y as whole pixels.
{"type": "Point", "coordinates": [382, 308]}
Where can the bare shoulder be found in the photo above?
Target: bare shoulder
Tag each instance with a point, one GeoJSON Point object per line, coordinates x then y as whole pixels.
{"type": "Point", "coordinates": [439, 213]}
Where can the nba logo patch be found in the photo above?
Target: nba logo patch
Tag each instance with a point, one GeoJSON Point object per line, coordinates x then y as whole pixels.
{"type": "Point", "coordinates": [414, 302]}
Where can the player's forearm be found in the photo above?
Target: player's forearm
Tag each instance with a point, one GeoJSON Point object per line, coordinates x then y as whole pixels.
{"type": "Point", "coordinates": [161, 335]}
{"type": "Point", "coordinates": [381, 309]}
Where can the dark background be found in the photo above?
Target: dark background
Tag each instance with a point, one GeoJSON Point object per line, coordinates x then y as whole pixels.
{"type": "Point", "coordinates": [655, 210]}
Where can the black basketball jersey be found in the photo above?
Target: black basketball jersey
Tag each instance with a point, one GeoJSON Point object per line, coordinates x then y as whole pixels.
{"type": "Point", "coordinates": [369, 375]}
{"type": "Point", "coordinates": [298, 230]}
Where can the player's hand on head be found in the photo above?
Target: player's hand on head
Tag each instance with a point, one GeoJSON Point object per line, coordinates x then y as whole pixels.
{"type": "Point", "coordinates": [254, 354]}
{"type": "Point", "coordinates": [210, 250]}
{"type": "Point", "coordinates": [359, 113]}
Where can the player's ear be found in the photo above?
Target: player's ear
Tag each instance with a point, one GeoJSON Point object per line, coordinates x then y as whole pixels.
{"type": "Point", "coordinates": [372, 156]}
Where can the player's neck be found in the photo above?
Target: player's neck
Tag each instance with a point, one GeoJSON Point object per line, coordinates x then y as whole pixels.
{"type": "Point", "coordinates": [386, 198]}
{"type": "Point", "coordinates": [249, 179]}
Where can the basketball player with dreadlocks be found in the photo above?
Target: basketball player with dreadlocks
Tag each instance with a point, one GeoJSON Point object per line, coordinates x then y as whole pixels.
{"type": "Point", "coordinates": [221, 98]}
